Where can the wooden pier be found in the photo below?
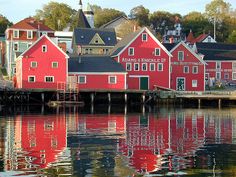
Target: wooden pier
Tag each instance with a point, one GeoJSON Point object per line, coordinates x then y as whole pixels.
{"type": "Point", "coordinates": [55, 97]}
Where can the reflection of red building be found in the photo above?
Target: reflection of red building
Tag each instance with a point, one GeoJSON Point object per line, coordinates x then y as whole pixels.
{"type": "Point", "coordinates": [171, 138]}
{"type": "Point", "coordinates": [41, 137]}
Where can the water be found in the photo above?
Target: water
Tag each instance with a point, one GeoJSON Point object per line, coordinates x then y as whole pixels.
{"type": "Point", "coordinates": [117, 141]}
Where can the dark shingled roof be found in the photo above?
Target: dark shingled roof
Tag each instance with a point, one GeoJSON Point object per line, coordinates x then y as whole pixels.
{"type": "Point", "coordinates": [217, 51]}
{"type": "Point", "coordinates": [124, 42]}
{"type": "Point", "coordinates": [83, 36]}
{"type": "Point", "coordinates": [114, 20]}
{"type": "Point", "coordinates": [82, 21]}
{"type": "Point", "coordinates": [170, 46]}
{"type": "Point", "coordinates": [94, 64]}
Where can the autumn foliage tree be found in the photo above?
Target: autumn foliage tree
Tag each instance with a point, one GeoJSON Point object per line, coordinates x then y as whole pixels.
{"type": "Point", "coordinates": [4, 23]}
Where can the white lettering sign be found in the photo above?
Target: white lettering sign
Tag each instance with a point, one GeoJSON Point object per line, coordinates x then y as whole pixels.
{"type": "Point", "coordinates": [144, 60]}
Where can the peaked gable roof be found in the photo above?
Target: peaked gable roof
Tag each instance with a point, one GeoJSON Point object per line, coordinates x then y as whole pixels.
{"type": "Point", "coordinates": [36, 42]}
{"type": "Point", "coordinates": [94, 64]}
{"type": "Point", "coordinates": [82, 21]}
{"type": "Point", "coordinates": [190, 50]}
{"type": "Point", "coordinates": [190, 38]}
{"type": "Point", "coordinates": [114, 20]}
{"type": "Point", "coordinates": [83, 36]}
{"type": "Point", "coordinates": [217, 51]}
{"type": "Point", "coordinates": [130, 38]}
{"type": "Point", "coordinates": [31, 24]}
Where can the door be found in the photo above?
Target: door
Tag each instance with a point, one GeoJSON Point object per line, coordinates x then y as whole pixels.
{"type": "Point", "coordinates": [143, 83]}
{"type": "Point", "coordinates": [180, 84]}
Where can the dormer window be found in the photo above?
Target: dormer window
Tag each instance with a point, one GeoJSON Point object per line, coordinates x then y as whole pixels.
{"type": "Point", "coordinates": [16, 33]}
{"type": "Point", "coordinates": [109, 38]}
{"type": "Point", "coordinates": [29, 34]}
{"type": "Point", "coordinates": [82, 37]}
{"type": "Point", "coordinates": [44, 48]}
{"type": "Point", "coordinates": [144, 37]}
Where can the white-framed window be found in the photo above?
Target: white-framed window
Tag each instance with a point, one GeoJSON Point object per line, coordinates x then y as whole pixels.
{"type": "Point", "coordinates": [49, 78]}
{"type": "Point", "coordinates": [218, 65]}
{"type": "Point", "coordinates": [112, 79]}
{"type": "Point", "coordinates": [136, 66]}
{"type": "Point", "coordinates": [160, 67]}
{"type": "Point", "coordinates": [44, 48]}
{"type": "Point", "coordinates": [128, 66]}
{"type": "Point", "coordinates": [82, 80]}
{"type": "Point", "coordinates": [131, 51]}
{"type": "Point", "coordinates": [144, 37]}
{"type": "Point", "coordinates": [180, 55]}
{"type": "Point", "coordinates": [54, 64]}
{"type": "Point", "coordinates": [14, 70]}
{"type": "Point", "coordinates": [194, 83]}
{"type": "Point", "coordinates": [226, 75]}
{"type": "Point", "coordinates": [16, 46]}
{"type": "Point", "coordinates": [16, 33]}
{"type": "Point", "coordinates": [234, 76]}
{"type": "Point", "coordinates": [152, 67]}
{"type": "Point", "coordinates": [31, 78]}
{"type": "Point", "coordinates": [33, 64]}
{"type": "Point", "coordinates": [195, 70]}
{"type": "Point", "coordinates": [186, 69]}
{"type": "Point", "coordinates": [234, 65]}
{"type": "Point", "coordinates": [29, 34]}
{"type": "Point", "coordinates": [157, 51]}
{"type": "Point", "coordinates": [218, 75]}
{"type": "Point", "coordinates": [144, 66]}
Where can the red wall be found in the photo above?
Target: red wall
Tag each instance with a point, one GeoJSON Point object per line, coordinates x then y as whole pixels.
{"type": "Point", "coordinates": [99, 81]}
{"type": "Point", "coordinates": [178, 70]}
{"type": "Point", "coordinates": [145, 50]}
{"type": "Point", "coordinates": [44, 67]}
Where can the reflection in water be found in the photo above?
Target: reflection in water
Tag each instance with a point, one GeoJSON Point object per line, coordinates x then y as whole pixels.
{"type": "Point", "coordinates": [162, 142]}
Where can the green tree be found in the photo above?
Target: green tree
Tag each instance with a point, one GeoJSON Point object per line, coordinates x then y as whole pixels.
{"type": "Point", "coordinates": [196, 22]}
{"type": "Point", "coordinates": [4, 23]}
{"type": "Point", "coordinates": [141, 15]}
{"type": "Point", "coordinates": [56, 15]}
{"type": "Point", "coordinates": [126, 28]}
{"type": "Point", "coordinates": [232, 37]}
{"type": "Point", "coordinates": [103, 16]}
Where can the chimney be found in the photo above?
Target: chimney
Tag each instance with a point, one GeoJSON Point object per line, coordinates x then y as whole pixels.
{"type": "Point", "coordinates": [171, 40]}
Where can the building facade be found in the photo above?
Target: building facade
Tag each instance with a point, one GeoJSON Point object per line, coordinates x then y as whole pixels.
{"type": "Point", "coordinates": [42, 66]}
{"type": "Point", "coordinates": [145, 59]}
{"type": "Point", "coordinates": [20, 37]}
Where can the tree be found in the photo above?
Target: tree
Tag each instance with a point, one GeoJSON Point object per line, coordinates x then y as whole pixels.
{"type": "Point", "coordinates": [232, 37]}
{"type": "Point", "coordinates": [126, 28]}
{"type": "Point", "coordinates": [197, 22]}
{"type": "Point", "coordinates": [141, 15]}
{"type": "Point", "coordinates": [4, 23]}
{"type": "Point", "coordinates": [103, 16]}
{"type": "Point", "coordinates": [56, 15]}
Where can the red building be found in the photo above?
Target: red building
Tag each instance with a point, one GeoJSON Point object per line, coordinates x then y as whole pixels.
{"type": "Point", "coordinates": [96, 72]}
{"type": "Point", "coordinates": [187, 68]}
{"type": "Point", "coordinates": [42, 66]}
{"type": "Point", "coordinates": [145, 59]}
{"type": "Point", "coordinates": [221, 62]}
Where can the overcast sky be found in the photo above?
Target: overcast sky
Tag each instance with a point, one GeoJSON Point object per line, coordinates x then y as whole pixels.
{"type": "Point", "coordinates": [16, 10]}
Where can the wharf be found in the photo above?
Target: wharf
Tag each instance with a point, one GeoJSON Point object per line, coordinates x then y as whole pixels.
{"type": "Point", "coordinates": [116, 97]}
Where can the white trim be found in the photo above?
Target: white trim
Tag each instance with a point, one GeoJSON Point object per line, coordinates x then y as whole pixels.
{"type": "Point", "coordinates": [33, 77]}
{"type": "Point", "coordinates": [31, 64]}
{"type": "Point", "coordinates": [151, 35]}
{"type": "Point", "coordinates": [118, 59]}
{"type": "Point", "coordinates": [146, 66]}
{"type": "Point", "coordinates": [220, 75]}
{"type": "Point", "coordinates": [193, 70]}
{"type": "Point", "coordinates": [218, 62]}
{"type": "Point", "coordinates": [190, 50]}
{"type": "Point", "coordinates": [50, 41]}
{"type": "Point", "coordinates": [184, 69]}
{"type": "Point", "coordinates": [129, 54]}
{"type": "Point", "coordinates": [85, 79]}
{"type": "Point", "coordinates": [162, 66]}
{"type": "Point", "coordinates": [125, 86]}
{"type": "Point", "coordinates": [179, 55]}
{"type": "Point", "coordinates": [48, 76]}
{"type": "Point", "coordinates": [14, 46]}
{"type": "Point", "coordinates": [196, 83]}
{"type": "Point", "coordinates": [109, 79]}
{"type": "Point", "coordinates": [18, 33]}
{"type": "Point", "coordinates": [138, 67]}
{"type": "Point", "coordinates": [55, 62]}
{"type": "Point", "coordinates": [146, 37]}
{"type": "Point", "coordinates": [170, 71]}
{"type": "Point", "coordinates": [130, 66]}
{"type": "Point", "coordinates": [135, 76]}
{"type": "Point", "coordinates": [233, 75]}
{"type": "Point", "coordinates": [184, 83]}
{"type": "Point", "coordinates": [154, 64]}
{"type": "Point", "coordinates": [156, 50]}
{"type": "Point", "coordinates": [31, 34]}
{"type": "Point", "coordinates": [221, 60]}
{"type": "Point", "coordinates": [96, 73]}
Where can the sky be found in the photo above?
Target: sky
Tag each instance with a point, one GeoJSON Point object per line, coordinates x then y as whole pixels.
{"type": "Point", "coordinates": [16, 10]}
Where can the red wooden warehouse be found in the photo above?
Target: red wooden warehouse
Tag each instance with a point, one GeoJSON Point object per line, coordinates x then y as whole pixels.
{"type": "Point", "coordinates": [187, 68]}
{"type": "Point", "coordinates": [42, 66]}
{"type": "Point", "coordinates": [145, 59]}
